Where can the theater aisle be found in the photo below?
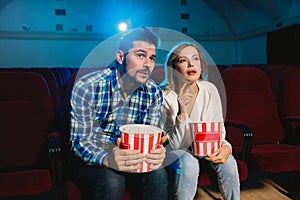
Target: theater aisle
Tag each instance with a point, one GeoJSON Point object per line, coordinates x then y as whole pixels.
{"type": "Point", "coordinates": [257, 187]}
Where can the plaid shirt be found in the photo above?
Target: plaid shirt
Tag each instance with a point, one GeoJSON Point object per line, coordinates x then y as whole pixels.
{"type": "Point", "coordinates": [99, 109]}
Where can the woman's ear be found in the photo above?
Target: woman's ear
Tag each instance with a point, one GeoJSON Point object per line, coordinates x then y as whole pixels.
{"type": "Point", "coordinates": [120, 56]}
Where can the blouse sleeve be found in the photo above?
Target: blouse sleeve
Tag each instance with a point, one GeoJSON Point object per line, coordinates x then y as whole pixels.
{"type": "Point", "coordinates": [171, 125]}
{"type": "Point", "coordinates": [214, 111]}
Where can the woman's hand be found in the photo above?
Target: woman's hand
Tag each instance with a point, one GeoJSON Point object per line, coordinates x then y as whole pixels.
{"type": "Point", "coordinates": [184, 99]}
{"type": "Point", "coordinates": [220, 156]}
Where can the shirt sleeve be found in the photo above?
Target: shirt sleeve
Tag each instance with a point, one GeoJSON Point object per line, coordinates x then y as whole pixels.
{"type": "Point", "coordinates": [83, 142]}
{"type": "Point", "coordinates": [153, 113]}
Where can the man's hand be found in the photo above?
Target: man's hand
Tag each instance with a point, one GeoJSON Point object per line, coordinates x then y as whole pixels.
{"type": "Point", "coordinates": [124, 159]}
{"type": "Point", "coordinates": [220, 156]}
{"type": "Point", "coordinates": [157, 156]}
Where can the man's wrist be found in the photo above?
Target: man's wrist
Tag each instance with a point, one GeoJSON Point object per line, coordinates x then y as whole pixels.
{"type": "Point", "coordinates": [105, 163]}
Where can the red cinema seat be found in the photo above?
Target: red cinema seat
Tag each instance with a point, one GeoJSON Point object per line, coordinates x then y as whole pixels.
{"type": "Point", "coordinates": [56, 91]}
{"type": "Point", "coordinates": [289, 103]}
{"type": "Point", "coordinates": [25, 120]}
{"type": "Point", "coordinates": [273, 73]}
{"type": "Point", "coordinates": [250, 101]}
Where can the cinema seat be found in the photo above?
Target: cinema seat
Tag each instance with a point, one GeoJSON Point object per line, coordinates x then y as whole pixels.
{"type": "Point", "coordinates": [273, 72]}
{"type": "Point", "coordinates": [52, 85]}
{"type": "Point", "coordinates": [250, 101]}
{"type": "Point", "coordinates": [59, 113]}
{"type": "Point", "coordinates": [25, 120]}
{"type": "Point", "coordinates": [289, 103]}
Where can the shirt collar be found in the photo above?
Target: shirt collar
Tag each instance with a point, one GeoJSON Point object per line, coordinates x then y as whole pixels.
{"type": "Point", "coordinates": [115, 83]}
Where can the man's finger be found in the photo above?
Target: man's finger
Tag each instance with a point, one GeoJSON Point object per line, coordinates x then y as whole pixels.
{"type": "Point", "coordinates": [118, 143]}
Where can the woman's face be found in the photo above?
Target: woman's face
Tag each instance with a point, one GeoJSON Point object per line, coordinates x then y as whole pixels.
{"type": "Point", "coordinates": [189, 64]}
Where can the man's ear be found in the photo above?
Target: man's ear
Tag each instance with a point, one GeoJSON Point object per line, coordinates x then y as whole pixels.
{"type": "Point", "coordinates": [120, 56]}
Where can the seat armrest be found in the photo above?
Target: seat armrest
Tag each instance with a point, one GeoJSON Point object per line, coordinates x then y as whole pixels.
{"type": "Point", "coordinates": [247, 137]}
{"type": "Point", "coordinates": [55, 157]}
{"type": "Point", "coordinates": [290, 124]}
{"type": "Point", "coordinates": [295, 118]}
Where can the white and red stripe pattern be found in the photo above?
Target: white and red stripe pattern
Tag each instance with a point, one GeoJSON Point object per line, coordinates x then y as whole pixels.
{"type": "Point", "coordinates": [144, 142]}
{"type": "Point", "coordinates": [207, 138]}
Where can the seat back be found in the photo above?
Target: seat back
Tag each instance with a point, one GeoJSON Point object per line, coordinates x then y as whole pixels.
{"type": "Point", "coordinates": [25, 119]}
{"type": "Point", "coordinates": [289, 93]}
{"type": "Point", "coordinates": [273, 73]}
{"type": "Point", "coordinates": [250, 99]}
{"type": "Point", "coordinates": [53, 86]}
{"type": "Point", "coordinates": [288, 103]}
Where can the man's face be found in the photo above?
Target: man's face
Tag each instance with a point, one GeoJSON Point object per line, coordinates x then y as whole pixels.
{"type": "Point", "coordinates": [140, 61]}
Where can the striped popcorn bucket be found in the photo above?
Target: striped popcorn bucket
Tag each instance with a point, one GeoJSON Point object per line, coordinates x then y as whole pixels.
{"type": "Point", "coordinates": [207, 137]}
{"type": "Point", "coordinates": [140, 137]}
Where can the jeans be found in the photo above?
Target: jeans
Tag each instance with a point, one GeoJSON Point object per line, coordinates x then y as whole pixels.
{"type": "Point", "coordinates": [185, 171]}
{"type": "Point", "coordinates": [102, 183]}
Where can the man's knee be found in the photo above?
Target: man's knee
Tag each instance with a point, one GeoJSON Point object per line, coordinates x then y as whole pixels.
{"type": "Point", "coordinates": [110, 184]}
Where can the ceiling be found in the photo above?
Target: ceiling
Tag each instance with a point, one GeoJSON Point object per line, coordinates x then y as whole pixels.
{"type": "Point", "coordinates": [207, 19]}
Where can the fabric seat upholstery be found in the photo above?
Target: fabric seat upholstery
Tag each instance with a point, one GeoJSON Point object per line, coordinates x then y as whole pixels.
{"type": "Point", "coordinates": [25, 121]}
{"type": "Point", "coordinates": [250, 100]}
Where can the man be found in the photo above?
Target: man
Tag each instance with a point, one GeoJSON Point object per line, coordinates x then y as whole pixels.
{"type": "Point", "coordinates": [103, 101]}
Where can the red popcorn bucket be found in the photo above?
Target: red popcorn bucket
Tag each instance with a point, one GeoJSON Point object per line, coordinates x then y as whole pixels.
{"type": "Point", "coordinates": [207, 137]}
{"type": "Point", "coordinates": [140, 137]}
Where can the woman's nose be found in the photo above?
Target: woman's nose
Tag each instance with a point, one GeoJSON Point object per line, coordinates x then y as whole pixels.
{"type": "Point", "coordinates": [190, 64]}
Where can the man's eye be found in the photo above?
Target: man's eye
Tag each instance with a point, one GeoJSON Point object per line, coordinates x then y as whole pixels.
{"type": "Point", "coordinates": [153, 58]}
{"type": "Point", "coordinates": [140, 55]}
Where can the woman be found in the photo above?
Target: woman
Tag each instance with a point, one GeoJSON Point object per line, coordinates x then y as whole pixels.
{"type": "Point", "coordinates": [194, 101]}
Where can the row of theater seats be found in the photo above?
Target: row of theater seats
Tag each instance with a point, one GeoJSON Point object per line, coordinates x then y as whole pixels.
{"type": "Point", "coordinates": [27, 164]}
{"type": "Point", "coordinates": [286, 94]}
{"type": "Point", "coordinates": [34, 120]}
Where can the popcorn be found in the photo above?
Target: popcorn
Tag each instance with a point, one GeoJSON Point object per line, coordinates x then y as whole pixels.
{"type": "Point", "coordinates": [140, 137]}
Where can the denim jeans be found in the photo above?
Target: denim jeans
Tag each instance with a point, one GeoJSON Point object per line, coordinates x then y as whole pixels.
{"type": "Point", "coordinates": [185, 171]}
{"type": "Point", "coordinates": [102, 183]}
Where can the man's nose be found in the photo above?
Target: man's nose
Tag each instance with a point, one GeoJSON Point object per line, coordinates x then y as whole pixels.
{"type": "Point", "coordinates": [148, 62]}
{"type": "Point", "coordinates": [146, 65]}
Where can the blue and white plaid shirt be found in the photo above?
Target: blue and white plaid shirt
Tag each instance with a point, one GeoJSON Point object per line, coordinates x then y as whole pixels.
{"type": "Point", "coordinates": [99, 109]}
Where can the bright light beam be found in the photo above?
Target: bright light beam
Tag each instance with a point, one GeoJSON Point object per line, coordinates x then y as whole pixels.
{"type": "Point", "coordinates": [122, 27]}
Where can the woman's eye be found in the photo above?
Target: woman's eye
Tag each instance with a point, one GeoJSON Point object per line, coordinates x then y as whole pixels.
{"type": "Point", "coordinates": [182, 60]}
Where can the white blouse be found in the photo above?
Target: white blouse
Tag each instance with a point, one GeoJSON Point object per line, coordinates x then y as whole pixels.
{"type": "Point", "coordinates": [207, 108]}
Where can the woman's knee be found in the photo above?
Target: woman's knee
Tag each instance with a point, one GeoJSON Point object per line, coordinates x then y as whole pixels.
{"type": "Point", "coordinates": [229, 168]}
{"type": "Point", "coordinates": [188, 164]}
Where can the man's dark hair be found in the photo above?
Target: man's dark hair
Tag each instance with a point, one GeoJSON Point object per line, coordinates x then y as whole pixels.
{"type": "Point", "coordinates": [139, 34]}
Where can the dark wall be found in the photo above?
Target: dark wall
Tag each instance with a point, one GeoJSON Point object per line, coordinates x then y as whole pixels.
{"type": "Point", "coordinates": [283, 46]}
